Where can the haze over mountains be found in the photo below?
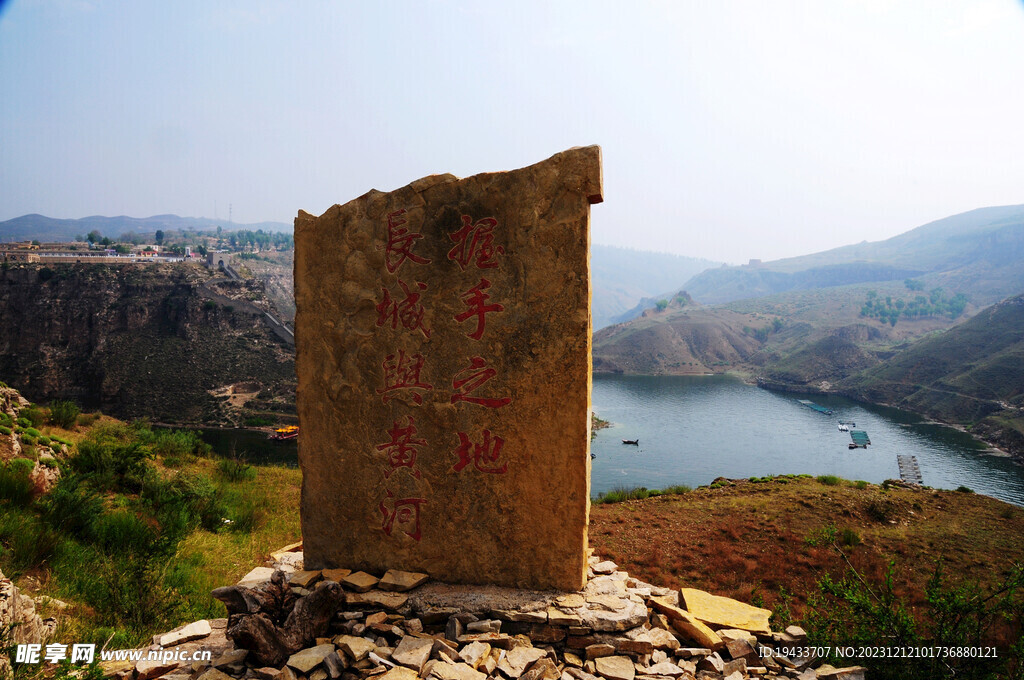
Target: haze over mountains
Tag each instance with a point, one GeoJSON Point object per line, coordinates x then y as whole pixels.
{"type": "Point", "coordinates": [980, 251]}
{"type": "Point", "coordinates": [42, 228]}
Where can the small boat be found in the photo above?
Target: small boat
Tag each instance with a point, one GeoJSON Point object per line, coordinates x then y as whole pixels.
{"type": "Point", "coordinates": [593, 455]}
{"type": "Point", "coordinates": [634, 442]}
{"type": "Point", "coordinates": [843, 427]}
{"type": "Point", "coordinates": [285, 433]}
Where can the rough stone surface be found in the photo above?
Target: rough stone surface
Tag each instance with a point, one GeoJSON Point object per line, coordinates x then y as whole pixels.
{"type": "Point", "coordinates": [412, 652]}
{"type": "Point", "coordinates": [193, 631]}
{"type": "Point", "coordinates": [687, 625]}
{"type": "Point", "coordinates": [615, 667]}
{"type": "Point", "coordinates": [360, 581]}
{"type": "Point", "coordinates": [401, 581]}
{"type": "Point", "coordinates": [443, 352]}
{"type": "Point", "coordinates": [256, 576]}
{"type": "Point", "coordinates": [724, 612]}
{"type": "Point", "coordinates": [308, 659]}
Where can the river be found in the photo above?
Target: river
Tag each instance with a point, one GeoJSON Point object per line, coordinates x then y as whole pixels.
{"type": "Point", "coordinates": [693, 429]}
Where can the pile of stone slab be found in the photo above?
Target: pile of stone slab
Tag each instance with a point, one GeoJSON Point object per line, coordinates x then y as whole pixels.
{"type": "Point", "coordinates": [402, 627]}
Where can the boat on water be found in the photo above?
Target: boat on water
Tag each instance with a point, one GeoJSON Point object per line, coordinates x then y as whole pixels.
{"type": "Point", "coordinates": [634, 442]}
{"type": "Point", "coordinates": [285, 433]}
{"type": "Point", "coordinates": [843, 427]}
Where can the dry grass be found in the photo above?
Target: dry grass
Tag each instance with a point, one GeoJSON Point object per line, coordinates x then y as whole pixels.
{"type": "Point", "coordinates": [749, 540]}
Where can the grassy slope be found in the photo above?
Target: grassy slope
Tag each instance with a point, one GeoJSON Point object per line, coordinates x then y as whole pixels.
{"type": "Point", "coordinates": [748, 540]}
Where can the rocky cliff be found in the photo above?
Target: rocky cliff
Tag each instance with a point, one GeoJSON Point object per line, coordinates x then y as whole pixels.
{"type": "Point", "coordinates": [157, 341]}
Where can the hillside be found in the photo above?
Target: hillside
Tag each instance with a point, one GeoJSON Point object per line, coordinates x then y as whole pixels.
{"type": "Point", "coordinates": [622, 277]}
{"type": "Point", "coordinates": [42, 228]}
{"type": "Point", "coordinates": [168, 342]}
{"type": "Point", "coordinates": [972, 374]}
{"type": "Point", "coordinates": [980, 253]}
{"type": "Point", "coordinates": [683, 338]}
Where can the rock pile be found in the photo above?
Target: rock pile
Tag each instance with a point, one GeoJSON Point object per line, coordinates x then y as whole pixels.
{"type": "Point", "coordinates": [340, 625]}
{"type": "Point", "coordinates": [19, 621]}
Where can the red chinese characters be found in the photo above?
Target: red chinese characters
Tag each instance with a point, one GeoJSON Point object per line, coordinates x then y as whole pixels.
{"type": "Point", "coordinates": [408, 311]}
{"type": "Point", "coordinates": [475, 299]}
{"type": "Point", "coordinates": [403, 448]}
{"type": "Point", "coordinates": [475, 241]}
{"type": "Point", "coordinates": [400, 242]}
{"type": "Point", "coordinates": [403, 373]}
{"type": "Point", "coordinates": [484, 456]}
{"type": "Point", "coordinates": [469, 379]}
{"type": "Point", "coordinates": [404, 515]}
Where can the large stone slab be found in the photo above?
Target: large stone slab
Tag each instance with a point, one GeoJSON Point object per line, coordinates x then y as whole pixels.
{"type": "Point", "coordinates": [443, 358]}
{"type": "Point", "coordinates": [724, 612]}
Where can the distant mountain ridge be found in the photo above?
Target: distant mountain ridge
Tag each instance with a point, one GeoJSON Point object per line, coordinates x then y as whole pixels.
{"type": "Point", "coordinates": [978, 252]}
{"type": "Point", "coordinates": [43, 228]}
{"type": "Point", "coordinates": [623, 277]}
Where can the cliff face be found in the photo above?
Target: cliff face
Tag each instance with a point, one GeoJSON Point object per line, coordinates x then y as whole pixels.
{"type": "Point", "coordinates": [139, 340]}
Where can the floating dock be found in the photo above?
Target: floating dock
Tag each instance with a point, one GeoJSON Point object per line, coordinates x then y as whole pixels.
{"type": "Point", "coordinates": [909, 472]}
{"type": "Point", "coordinates": [860, 438]}
{"type": "Point", "coordinates": [813, 406]}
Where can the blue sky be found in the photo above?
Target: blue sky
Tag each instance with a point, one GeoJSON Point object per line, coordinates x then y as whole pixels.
{"type": "Point", "coordinates": [730, 129]}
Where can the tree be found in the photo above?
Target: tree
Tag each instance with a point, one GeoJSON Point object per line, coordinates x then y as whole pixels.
{"type": "Point", "coordinates": [159, 236]}
{"type": "Point", "coordinates": [94, 236]}
{"type": "Point", "coordinates": [105, 241]}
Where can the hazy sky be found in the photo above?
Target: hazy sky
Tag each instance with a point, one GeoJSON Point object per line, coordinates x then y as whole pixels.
{"type": "Point", "coordinates": [730, 130]}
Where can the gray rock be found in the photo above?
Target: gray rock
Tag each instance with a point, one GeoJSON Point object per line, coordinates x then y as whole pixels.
{"type": "Point", "coordinates": [412, 652]}
{"type": "Point", "coordinates": [307, 659]}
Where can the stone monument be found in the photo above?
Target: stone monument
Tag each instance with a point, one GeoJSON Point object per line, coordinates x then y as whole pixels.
{"type": "Point", "coordinates": [443, 356]}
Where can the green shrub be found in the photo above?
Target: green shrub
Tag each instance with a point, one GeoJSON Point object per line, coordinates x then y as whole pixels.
{"type": "Point", "coordinates": [43, 440]}
{"type": "Point", "coordinates": [24, 422]}
{"type": "Point", "coordinates": [72, 507]}
{"type": "Point", "coordinates": [25, 541]}
{"type": "Point", "coordinates": [32, 432]}
{"type": "Point", "coordinates": [6, 420]}
{"type": "Point", "coordinates": [964, 489]}
{"type": "Point", "coordinates": [860, 484]}
{"type": "Point", "coordinates": [258, 421]}
{"type": "Point", "coordinates": [15, 485]}
{"type": "Point", "coordinates": [177, 445]}
{"type": "Point", "coordinates": [829, 480]}
{"type": "Point", "coordinates": [857, 614]}
{"type": "Point", "coordinates": [123, 531]}
{"type": "Point", "coordinates": [34, 415]}
{"type": "Point", "coordinates": [849, 537]}
{"type": "Point", "coordinates": [6, 431]}
{"type": "Point", "coordinates": [880, 510]}
{"type": "Point", "coordinates": [235, 470]}
{"type": "Point", "coordinates": [28, 439]}
{"type": "Point", "coordinates": [64, 414]}
{"type": "Point", "coordinates": [249, 516]}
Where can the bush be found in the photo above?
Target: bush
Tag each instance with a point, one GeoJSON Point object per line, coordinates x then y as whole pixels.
{"type": "Point", "coordinates": [6, 431]}
{"type": "Point", "coordinates": [964, 489]}
{"type": "Point", "coordinates": [72, 507]}
{"type": "Point", "coordinates": [43, 440]}
{"type": "Point", "coordinates": [28, 439]}
{"type": "Point", "coordinates": [24, 422]}
{"type": "Point", "coordinates": [258, 421]}
{"type": "Point", "coordinates": [860, 484]}
{"type": "Point", "coordinates": [64, 414]}
{"type": "Point", "coordinates": [858, 614]}
{"type": "Point", "coordinates": [235, 470]}
{"type": "Point", "coordinates": [849, 537]}
{"type": "Point", "coordinates": [25, 542]}
{"type": "Point", "coordinates": [176, 446]}
{"type": "Point", "coordinates": [829, 480]}
{"type": "Point", "coordinates": [15, 485]}
{"type": "Point", "coordinates": [34, 415]}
